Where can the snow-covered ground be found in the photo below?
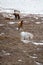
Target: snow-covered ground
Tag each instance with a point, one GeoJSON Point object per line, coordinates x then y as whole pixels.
{"type": "Point", "coordinates": [27, 6]}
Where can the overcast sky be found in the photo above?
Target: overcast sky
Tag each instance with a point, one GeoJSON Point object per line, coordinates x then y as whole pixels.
{"type": "Point", "coordinates": [27, 6]}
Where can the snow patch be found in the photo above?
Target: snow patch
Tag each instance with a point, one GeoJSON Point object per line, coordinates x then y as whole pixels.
{"type": "Point", "coordinates": [2, 34]}
{"type": "Point", "coordinates": [11, 22]}
{"type": "Point", "coordinates": [37, 63]}
{"type": "Point", "coordinates": [37, 43]}
{"type": "Point", "coordinates": [38, 22]}
{"type": "Point", "coordinates": [1, 24]}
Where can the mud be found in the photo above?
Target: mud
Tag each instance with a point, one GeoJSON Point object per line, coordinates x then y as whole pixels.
{"type": "Point", "coordinates": [13, 51]}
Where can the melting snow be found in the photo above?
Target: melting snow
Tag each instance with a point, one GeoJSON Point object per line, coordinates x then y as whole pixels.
{"type": "Point", "coordinates": [5, 53]}
{"type": "Point", "coordinates": [38, 22]}
{"type": "Point", "coordinates": [37, 43]}
{"type": "Point", "coordinates": [34, 56]}
{"type": "Point", "coordinates": [19, 60]}
{"type": "Point", "coordinates": [1, 34]}
{"type": "Point", "coordinates": [1, 24]}
{"type": "Point", "coordinates": [25, 41]}
{"type": "Point", "coordinates": [35, 17]}
{"type": "Point", "coordinates": [11, 22]}
{"type": "Point", "coordinates": [8, 15]}
{"type": "Point", "coordinates": [37, 63]}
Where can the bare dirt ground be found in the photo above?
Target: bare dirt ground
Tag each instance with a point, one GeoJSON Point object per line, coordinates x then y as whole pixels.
{"type": "Point", "coordinates": [12, 50]}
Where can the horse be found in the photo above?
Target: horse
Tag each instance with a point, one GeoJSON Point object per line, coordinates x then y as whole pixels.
{"type": "Point", "coordinates": [20, 24]}
{"type": "Point", "coordinates": [17, 16]}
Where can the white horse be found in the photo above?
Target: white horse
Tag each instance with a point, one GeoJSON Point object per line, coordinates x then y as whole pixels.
{"type": "Point", "coordinates": [26, 36]}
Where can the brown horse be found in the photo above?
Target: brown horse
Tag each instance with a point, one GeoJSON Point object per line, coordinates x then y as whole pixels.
{"type": "Point", "coordinates": [20, 24]}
